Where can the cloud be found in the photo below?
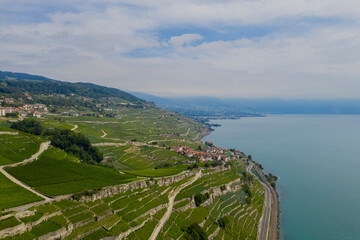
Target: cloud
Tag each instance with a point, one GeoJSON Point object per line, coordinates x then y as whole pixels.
{"type": "Point", "coordinates": [184, 39]}
{"type": "Point", "coordinates": [301, 48]}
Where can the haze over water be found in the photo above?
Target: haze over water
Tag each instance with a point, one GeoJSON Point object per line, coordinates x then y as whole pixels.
{"type": "Point", "coordinates": [317, 158]}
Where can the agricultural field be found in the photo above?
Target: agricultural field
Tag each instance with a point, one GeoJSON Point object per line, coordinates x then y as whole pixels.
{"type": "Point", "coordinates": [135, 213]}
{"type": "Point", "coordinates": [130, 157]}
{"type": "Point", "coordinates": [241, 218]}
{"type": "Point", "coordinates": [156, 172]}
{"type": "Point", "coordinates": [13, 195]}
{"type": "Point", "coordinates": [57, 173]}
{"type": "Point", "coordinates": [142, 125]}
{"type": "Point", "coordinates": [58, 123]}
{"type": "Point", "coordinates": [109, 216]}
{"type": "Point", "coordinates": [16, 148]}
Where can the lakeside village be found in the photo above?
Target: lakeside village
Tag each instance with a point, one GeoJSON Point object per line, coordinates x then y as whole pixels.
{"type": "Point", "coordinates": [210, 154]}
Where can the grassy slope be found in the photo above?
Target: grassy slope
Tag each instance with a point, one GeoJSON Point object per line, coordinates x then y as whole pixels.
{"type": "Point", "coordinates": [137, 158]}
{"type": "Point", "coordinates": [141, 124]}
{"type": "Point", "coordinates": [16, 148]}
{"type": "Point", "coordinates": [57, 173]}
{"type": "Point", "coordinates": [13, 195]}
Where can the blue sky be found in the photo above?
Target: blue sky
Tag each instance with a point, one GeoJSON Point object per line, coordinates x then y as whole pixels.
{"type": "Point", "coordinates": [242, 48]}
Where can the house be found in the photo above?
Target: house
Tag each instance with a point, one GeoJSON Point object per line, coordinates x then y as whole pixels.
{"type": "Point", "coordinates": [28, 96]}
{"type": "Point", "coordinates": [4, 111]}
{"type": "Point", "coordinates": [37, 114]}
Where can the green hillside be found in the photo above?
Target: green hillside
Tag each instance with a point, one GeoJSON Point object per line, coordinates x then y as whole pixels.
{"type": "Point", "coordinates": [114, 165]}
{"type": "Point", "coordinates": [17, 148]}
{"type": "Point", "coordinates": [15, 83]}
{"type": "Point", "coordinates": [57, 173]}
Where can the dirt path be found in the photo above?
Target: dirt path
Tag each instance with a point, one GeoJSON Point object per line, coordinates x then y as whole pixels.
{"type": "Point", "coordinates": [9, 133]}
{"type": "Point", "coordinates": [187, 133]}
{"type": "Point", "coordinates": [104, 134]}
{"type": "Point", "coordinates": [43, 146]}
{"type": "Point", "coordinates": [98, 122]}
{"type": "Point", "coordinates": [75, 127]}
{"type": "Point", "coordinates": [172, 196]}
{"type": "Point", "coordinates": [109, 144]}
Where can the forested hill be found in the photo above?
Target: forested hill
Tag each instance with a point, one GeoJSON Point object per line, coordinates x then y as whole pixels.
{"type": "Point", "coordinates": [19, 83]}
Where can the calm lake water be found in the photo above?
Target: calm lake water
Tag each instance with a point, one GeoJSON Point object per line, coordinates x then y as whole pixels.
{"type": "Point", "coordinates": [317, 158]}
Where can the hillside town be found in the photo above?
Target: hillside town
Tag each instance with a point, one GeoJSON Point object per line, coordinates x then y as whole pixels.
{"type": "Point", "coordinates": [10, 106]}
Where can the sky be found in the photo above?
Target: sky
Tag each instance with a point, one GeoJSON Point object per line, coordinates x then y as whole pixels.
{"type": "Point", "coordinates": [308, 49]}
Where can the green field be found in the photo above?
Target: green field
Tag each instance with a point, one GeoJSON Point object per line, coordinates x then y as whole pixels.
{"type": "Point", "coordinates": [141, 124]}
{"type": "Point", "coordinates": [155, 172]}
{"type": "Point", "coordinates": [13, 195]}
{"type": "Point", "coordinates": [57, 173]}
{"type": "Point", "coordinates": [140, 157]}
{"type": "Point", "coordinates": [16, 148]}
{"type": "Point", "coordinates": [242, 219]}
{"type": "Point", "coordinates": [56, 123]}
{"type": "Point", "coordinates": [113, 215]}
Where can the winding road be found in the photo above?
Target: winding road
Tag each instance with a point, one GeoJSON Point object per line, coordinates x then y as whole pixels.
{"type": "Point", "coordinates": [265, 219]}
{"type": "Point", "coordinates": [172, 196]}
{"type": "Point", "coordinates": [43, 147]}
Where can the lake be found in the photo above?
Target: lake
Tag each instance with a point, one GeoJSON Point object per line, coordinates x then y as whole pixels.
{"type": "Point", "coordinates": [317, 158]}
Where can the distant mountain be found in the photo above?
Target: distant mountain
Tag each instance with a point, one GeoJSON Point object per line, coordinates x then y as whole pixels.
{"type": "Point", "coordinates": [24, 76]}
{"type": "Point", "coordinates": [211, 106]}
{"type": "Point", "coordinates": [198, 106]}
{"type": "Point", "coordinates": [19, 83]}
{"type": "Point", "coordinates": [152, 98]}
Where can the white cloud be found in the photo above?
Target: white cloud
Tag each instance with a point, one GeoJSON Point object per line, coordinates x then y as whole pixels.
{"type": "Point", "coordinates": [91, 41]}
{"type": "Point", "coordinates": [184, 39]}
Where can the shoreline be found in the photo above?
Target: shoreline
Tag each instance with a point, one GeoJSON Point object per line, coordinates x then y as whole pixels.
{"type": "Point", "coordinates": [274, 226]}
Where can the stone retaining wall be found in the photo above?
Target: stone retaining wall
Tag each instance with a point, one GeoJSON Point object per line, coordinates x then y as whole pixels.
{"type": "Point", "coordinates": [59, 234]}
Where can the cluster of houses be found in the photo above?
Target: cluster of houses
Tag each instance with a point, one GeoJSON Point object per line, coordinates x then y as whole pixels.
{"type": "Point", "coordinates": [26, 110]}
{"type": "Point", "coordinates": [35, 110]}
{"type": "Point", "coordinates": [208, 154]}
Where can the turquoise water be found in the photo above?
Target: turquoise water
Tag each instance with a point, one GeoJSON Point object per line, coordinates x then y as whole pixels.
{"type": "Point", "coordinates": [317, 158]}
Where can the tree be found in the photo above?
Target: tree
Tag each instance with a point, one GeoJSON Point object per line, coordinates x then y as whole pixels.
{"type": "Point", "coordinates": [28, 125]}
{"type": "Point", "coordinates": [12, 115]}
{"type": "Point", "coordinates": [195, 232]}
{"type": "Point", "coordinates": [200, 198]}
{"type": "Point", "coordinates": [247, 190]}
{"type": "Point", "coordinates": [223, 222]}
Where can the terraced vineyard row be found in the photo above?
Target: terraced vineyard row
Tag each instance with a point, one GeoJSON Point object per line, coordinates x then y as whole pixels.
{"type": "Point", "coordinates": [135, 213]}
{"type": "Point", "coordinates": [226, 203]}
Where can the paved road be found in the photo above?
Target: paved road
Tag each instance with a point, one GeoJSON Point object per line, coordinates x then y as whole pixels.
{"type": "Point", "coordinates": [43, 147]}
{"type": "Point", "coordinates": [172, 196]}
{"type": "Point", "coordinates": [265, 219]}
